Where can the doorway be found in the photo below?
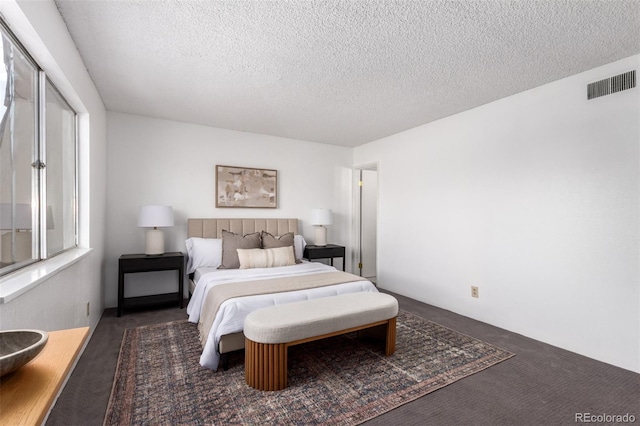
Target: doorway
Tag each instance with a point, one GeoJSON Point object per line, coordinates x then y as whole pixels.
{"type": "Point", "coordinates": [367, 222]}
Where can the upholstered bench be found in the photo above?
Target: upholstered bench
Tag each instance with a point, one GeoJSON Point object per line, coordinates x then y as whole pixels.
{"type": "Point", "coordinates": [270, 331]}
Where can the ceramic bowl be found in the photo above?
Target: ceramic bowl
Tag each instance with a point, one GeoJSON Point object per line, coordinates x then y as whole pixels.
{"type": "Point", "coordinates": [18, 347]}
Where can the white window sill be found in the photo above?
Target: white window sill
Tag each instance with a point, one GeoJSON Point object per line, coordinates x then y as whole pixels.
{"type": "Point", "coordinates": [23, 280]}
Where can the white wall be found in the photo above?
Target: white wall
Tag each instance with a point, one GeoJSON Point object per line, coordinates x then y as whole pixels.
{"type": "Point", "coordinates": [533, 198]}
{"type": "Point", "coordinates": [60, 301]}
{"type": "Point", "coordinates": [153, 161]}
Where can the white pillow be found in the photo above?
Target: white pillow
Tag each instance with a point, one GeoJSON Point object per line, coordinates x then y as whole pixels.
{"type": "Point", "coordinates": [266, 258]}
{"type": "Point", "coordinates": [298, 246]}
{"type": "Point", "coordinates": [203, 252]}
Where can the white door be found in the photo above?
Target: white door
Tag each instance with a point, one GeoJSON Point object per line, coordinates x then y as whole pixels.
{"type": "Point", "coordinates": [368, 222]}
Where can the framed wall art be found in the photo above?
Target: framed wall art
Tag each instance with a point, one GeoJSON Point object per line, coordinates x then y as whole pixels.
{"type": "Point", "coordinates": [246, 187]}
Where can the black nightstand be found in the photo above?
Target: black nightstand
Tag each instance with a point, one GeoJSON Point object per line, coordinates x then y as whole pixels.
{"type": "Point", "coordinates": [330, 251]}
{"type": "Point", "coordinates": [131, 263]}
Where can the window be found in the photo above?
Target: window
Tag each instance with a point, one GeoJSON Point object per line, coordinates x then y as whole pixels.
{"type": "Point", "coordinates": [38, 213]}
{"type": "Point", "coordinates": [60, 141]}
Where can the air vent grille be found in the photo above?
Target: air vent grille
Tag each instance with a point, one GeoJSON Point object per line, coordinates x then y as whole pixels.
{"type": "Point", "coordinates": [612, 85]}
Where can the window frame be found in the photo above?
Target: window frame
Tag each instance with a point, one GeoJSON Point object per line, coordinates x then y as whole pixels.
{"type": "Point", "coordinates": [43, 177]}
{"type": "Point", "coordinates": [38, 180]}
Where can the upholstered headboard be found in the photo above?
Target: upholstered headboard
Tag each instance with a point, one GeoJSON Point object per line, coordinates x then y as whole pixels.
{"type": "Point", "coordinates": [212, 228]}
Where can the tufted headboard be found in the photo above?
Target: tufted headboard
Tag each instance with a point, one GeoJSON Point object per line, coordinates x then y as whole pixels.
{"type": "Point", "coordinates": [212, 228]}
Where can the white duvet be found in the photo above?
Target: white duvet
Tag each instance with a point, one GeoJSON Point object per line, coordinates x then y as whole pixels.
{"type": "Point", "coordinates": [231, 315]}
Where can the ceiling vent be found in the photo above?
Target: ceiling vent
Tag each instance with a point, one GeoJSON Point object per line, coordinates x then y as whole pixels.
{"type": "Point", "coordinates": [612, 85]}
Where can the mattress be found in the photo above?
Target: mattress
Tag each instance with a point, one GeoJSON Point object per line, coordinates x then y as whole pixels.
{"type": "Point", "coordinates": [231, 313]}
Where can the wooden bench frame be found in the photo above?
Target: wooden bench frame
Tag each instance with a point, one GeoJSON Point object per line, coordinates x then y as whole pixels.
{"type": "Point", "coordinates": [265, 364]}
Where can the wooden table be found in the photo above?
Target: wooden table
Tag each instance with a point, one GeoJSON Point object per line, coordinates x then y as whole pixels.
{"type": "Point", "coordinates": [26, 396]}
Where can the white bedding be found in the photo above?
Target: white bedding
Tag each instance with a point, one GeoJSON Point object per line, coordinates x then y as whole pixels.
{"type": "Point", "coordinates": [231, 315]}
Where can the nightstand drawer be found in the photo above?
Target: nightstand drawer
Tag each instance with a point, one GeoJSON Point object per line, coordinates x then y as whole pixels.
{"type": "Point", "coordinates": [324, 252]}
{"type": "Point", "coordinates": [143, 263]}
{"type": "Point", "coordinates": [318, 252]}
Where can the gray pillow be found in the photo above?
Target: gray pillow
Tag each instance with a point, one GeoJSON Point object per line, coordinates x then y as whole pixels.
{"type": "Point", "coordinates": [231, 242]}
{"type": "Point", "coordinates": [269, 241]}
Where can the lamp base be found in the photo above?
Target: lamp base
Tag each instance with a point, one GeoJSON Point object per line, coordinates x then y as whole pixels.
{"type": "Point", "coordinates": [321, 236]}
{"type": "Point", "coordinates": [154, 242]}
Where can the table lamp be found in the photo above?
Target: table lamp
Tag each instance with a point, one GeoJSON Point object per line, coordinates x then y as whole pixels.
{"type": "Point", "coordinates": [155, 217]}
{"type": "Point", "coordinates": [320, 218]}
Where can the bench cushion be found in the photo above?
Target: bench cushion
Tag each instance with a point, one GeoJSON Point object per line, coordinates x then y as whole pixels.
{"type": "Point", "coordinates": [301, 320]}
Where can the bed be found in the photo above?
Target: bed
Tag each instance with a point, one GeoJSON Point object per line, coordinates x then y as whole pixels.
{"type": "Point", "coordinates": [223, 294]}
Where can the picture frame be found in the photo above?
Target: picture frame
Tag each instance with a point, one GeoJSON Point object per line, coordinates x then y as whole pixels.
{"type": "Point", "coordinates": [246, 187]}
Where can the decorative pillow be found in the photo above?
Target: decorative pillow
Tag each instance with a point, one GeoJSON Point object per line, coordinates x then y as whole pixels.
{"type": "Point", "coordinates": [286, 240]}
{"type": "Point", "coordinates": [269, 241]}
{"type": "Point", "coordinates": [266, 258]}
{"type": "Point", "coordinates": [231, 242]}
{"type": "Point", "coordinates": [298, 247]}
{"type": "Point", "coordinates": [203, 252]}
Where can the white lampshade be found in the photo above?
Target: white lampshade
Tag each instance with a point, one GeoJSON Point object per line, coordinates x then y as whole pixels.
{"type": "Point", "coordinates": [321, 217]}
{"type": "Point", "coordinates": [155, 217]}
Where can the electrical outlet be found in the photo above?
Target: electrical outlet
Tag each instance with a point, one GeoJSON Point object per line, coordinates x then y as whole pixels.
{"type": "Point", "coordinates": [88, 309]}
{"type": "Point", "coordinates": [474, 291]}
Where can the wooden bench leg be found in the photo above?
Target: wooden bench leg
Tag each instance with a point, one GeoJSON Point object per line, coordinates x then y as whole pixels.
{"type": "Point", "coordinates": [384, 332]}
{"type": "Point", "coordinates": [390, 340]}
{"type": "Point", "coordinates": [265, 365]}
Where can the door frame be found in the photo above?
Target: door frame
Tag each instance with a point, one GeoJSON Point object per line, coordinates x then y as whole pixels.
{"type": "Point", "coordinates": [357, 216]}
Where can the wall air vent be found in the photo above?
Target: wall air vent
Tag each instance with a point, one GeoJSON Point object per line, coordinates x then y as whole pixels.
{"type": "Point", "coordinates": [611, 85]}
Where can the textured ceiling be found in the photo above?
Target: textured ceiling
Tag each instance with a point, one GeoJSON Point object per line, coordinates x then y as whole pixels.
{"type": "Point", "coordinates": [337, 72]}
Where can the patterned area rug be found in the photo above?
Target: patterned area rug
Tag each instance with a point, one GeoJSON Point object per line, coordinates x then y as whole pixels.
{"type": "Point", "coordinates": [342, 380]}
